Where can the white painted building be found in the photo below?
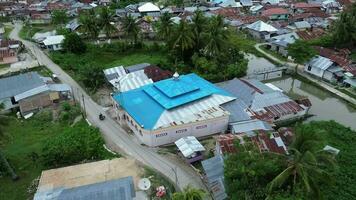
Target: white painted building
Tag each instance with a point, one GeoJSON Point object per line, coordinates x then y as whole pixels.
{"type": "Point", "coordinates": [54, 42]}
{"type": "Point", "coordinates": [163, 112]}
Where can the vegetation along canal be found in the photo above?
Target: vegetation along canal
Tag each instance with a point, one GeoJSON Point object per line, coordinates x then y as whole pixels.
{"type": "Point", "coordinates": [325, 105]}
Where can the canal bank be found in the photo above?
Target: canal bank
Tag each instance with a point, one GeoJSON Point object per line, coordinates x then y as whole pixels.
{"type": "Point", "coordinates": [325, 105]}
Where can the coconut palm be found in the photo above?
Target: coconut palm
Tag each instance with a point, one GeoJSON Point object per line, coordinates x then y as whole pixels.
{"type": "Point", "coordinates": [165, 26]}
{"type": "Point", "coordinates": [131, 28]}
{"type": "Point", "coordinates": [198, 26]}
{"type": "Point", "coordinates": [90, 24]}
{"type": "Point", "coordinates": [183, 39]}
{"type": "Point", "coordinates": [307, 165]}
{"type": "Point", "coordinates": [106, 18]}
{"type": "Point", "coordinates": [216, 37]}
{"type": "Point", "coordinates": [189, 193]}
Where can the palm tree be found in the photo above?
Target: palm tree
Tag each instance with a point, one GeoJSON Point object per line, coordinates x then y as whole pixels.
{"type": "Point", "coordinates": [198, 27]}
{"type": "Point", "coordinates": [106, 18]}
{"type": "Point", "coordinates": [216, 37]}
{"type": "Point", "coordinates": [307, 165]}
{"type": "Point", "coordinates": [90, 24]}
{"type": "Point", "coordinates": [165, 26]}
{"type": "Point", "coordinates": [131, 28]}
{"type": "Point", "coordinates": [183, 40]}
{"type": "Point", "coordinates": [189, 193]}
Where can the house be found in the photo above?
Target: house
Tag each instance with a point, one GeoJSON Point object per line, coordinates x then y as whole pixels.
{"type": "Point", "coordinates": [40, 36]}
{"type": "Point", "coordinates": [148, 8]}
{"type": "Point", "coordinates": [31, 92]}
{"type": "Point", "coordinates": [8, 56]}
{"type": "Point", "coordinates": [246, 3]}
{"type": "Point", "coordinates": [265, 102]}
{"type": "Point", "coordinates": [190, 148]}
{"type": "Point", "coordinates": [104, 2]}
{"type": "Point", "coordinates": [214, 175]}
{"type": "Point", "coordinates": [54, 43]}
{"type": "Point", "coordinates": [324, 68]}
{"type": "Point", "coordinates": [256, 9]}
{"type": "Point", "coordinates": [300, 7]}
{"type": "Point", "coordinates": [276, 14]}
{"type": "Point", "coordinates": [40, 16]}
{"type": "Point", "coordinates": [280, 43]}
{"type": "Point", "coordinates": [302, 25]}
{"type": "Point", "coordinates": [73, 25]}
{"type": "Point", "coordinates": [261, 30]}
{"type": "Point", "coordinates": [311, 34]}
{"type": "Point", "coordinates": [331, 6]}
{"type": "Point", "coordinates": [271, 2]}
{"type": "Point", "coordinates": [94, 180]}
{"type": "Point", "coordinates": [162, 112]}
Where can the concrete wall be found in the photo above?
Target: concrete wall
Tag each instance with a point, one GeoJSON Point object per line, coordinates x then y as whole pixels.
{"type": "Point", "coordinates": [173, 133]}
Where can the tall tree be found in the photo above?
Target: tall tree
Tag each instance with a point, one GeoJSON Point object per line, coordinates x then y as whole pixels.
{"type": "Point", "coordinates": [59, 17]}
{"type": "Point", "coordinates": [189, 193]}
{"type": "Point", "coordinates": [183, 38]}
{"type": "Point", "coordinates": [308, 165]}
{"type": "Point", "coordinates": [216, 37]}
{"type": "Point", "coordinates": [344, 33]}
{"type": "Point", "coordinates": [198, 27]}
{"type": "Point", "coordinates": [165, 26]}
{"type": "Point", "coordinates": [3, 118]}
{"type": "Point", "coordinates": [301, 51]}
{"type": "Point", "coordinates": [90, 24]}
{"type": "Point", "coordinates": [106, 18]}
{"type": "Point", "coordinates": [74, 44]}
{"type": "Point", "coordinates": [131, 28]}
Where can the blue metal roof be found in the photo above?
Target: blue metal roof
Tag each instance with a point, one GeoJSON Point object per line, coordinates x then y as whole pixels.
{"type": "Point", "coordinates": [147, 103]}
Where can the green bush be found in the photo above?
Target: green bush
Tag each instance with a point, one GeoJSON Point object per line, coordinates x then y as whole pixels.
{"type": "Point", "coordinates": [76, 144]}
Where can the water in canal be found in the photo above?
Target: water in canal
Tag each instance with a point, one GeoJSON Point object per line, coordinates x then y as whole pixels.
{"type": "Point", "coordinates": [325, 106]}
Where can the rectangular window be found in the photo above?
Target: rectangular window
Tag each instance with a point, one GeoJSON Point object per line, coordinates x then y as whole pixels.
{"type": "Point", "coordinates": [161, 134]}
{"type": "Point", "coordinates": [182, 131]}
{"type": "Point", "coordinates": [201, 126]}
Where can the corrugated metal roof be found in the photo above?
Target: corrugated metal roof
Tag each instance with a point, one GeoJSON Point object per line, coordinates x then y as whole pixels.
{"type": "Point", "coordinates": [14, 85]}
{"type": "Point", "coordinates": [189, 145]}
{"type": "Point", "coordinates": [250, 125]}
{"type": "Point", "coordinates": [114, 73]}
{"type": "Point", "coordinates": [41, 89]}
{"type": "Point", "coordinates": [214, 170]}
{"type": "Point", "coordinates": [261, 26]}
{"type": "Point", "coordinates": [137, 67]}
{"type": "Point", "coordinates": [152, 112]}
{"type": "Point", "coordinates": [237, 110]}
{"type": "Point", "coordinates": [321, 62]}
{"type": "Point", "coordinates": [119, 189]}
{"type": "Point", "coordinates": [52, 40]}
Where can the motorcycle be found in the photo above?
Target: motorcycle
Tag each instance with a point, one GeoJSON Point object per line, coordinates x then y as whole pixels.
{"type": "Point", "coordinates": [101, 117]}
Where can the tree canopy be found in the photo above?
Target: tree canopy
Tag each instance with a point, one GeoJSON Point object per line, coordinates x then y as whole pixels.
{"type": "Point", "coordinates": [344, 29]}
{"type": "Point", "coordinates": [73, 43]}
{"type": "Point", "coordinates": [301, 51]}
{"type": "Point", "coordinates": [59, 17]}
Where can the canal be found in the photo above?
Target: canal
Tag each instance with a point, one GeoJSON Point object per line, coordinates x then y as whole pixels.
{"type": "Point", "coordinates": [325, 106]}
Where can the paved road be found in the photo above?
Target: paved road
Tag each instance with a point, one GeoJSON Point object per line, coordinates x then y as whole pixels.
{"type": "Point", "coordinates": [113, 133]}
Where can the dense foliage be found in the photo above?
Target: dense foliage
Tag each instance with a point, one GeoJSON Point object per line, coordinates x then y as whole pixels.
{"type": "Point", "coordinates": [248, 173]}
{"type": "Point", "coordinates": [344, 29]}
{"type": "Point", "coordinates": [301, 51]}
{"type": "Point", "coordinates": [74, 145]}
{"type": "Point", "coordinates": [202, 46]}
{"type": "Point", "coordinates": [74, 44]}
{"type": "Point", "coordinates": [189, 193]}
{"type": "Point", "coordinates": [306, 173]}
{"type": "Point", "coordinates": [59, 17]}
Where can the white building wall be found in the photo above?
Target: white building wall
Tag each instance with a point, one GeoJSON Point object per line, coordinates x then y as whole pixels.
{"type": "Point", "coordinates": [173, 133]}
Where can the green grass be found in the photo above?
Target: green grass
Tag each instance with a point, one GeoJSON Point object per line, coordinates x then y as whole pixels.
{"type": "Point", "coordinates": [22, 138]}
{"type": "Point", "coordinates": [274, 53]}
{"type": "Point", "coordinates": [3, 66]}
{"type": "Point", "coordinates": [8, 29]}
{"type": "Point", "coordinates": [104, 58]}
{"type": "Point", "coordinates": [28, 31]}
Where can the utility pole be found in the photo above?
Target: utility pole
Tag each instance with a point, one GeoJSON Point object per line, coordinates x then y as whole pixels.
{"type": "Point", "coordinates": [85, 112]}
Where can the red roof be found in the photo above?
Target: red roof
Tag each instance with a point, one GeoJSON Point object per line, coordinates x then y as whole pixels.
{"type": "Point", "coordinates": [310, 35]}
{"type": "Point", "coordinates": [226, 12]}
{"type": "Point", "coordinates": [278, 110]}
{"type": "Point", "coordinates": [227, 143]}
{"type": "Point", "coordinates": [274, 11]}
{"type": "Point", "coordinates": [266, 143]}
{"type": "Point", "coordinates": [156, 74]}
{"type": "Point", "coordinates": [306, 5]}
